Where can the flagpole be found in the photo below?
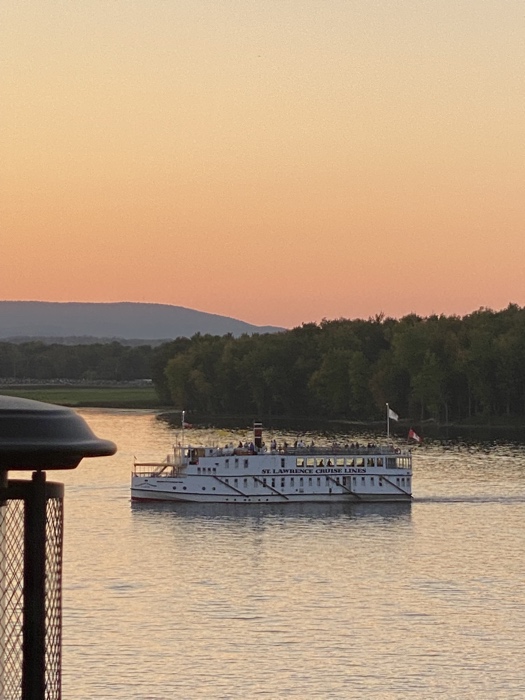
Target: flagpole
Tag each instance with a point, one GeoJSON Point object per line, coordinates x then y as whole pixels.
{"type": "Point", "coordinates": [182, 426]}
{"type": "Point", "coordinates": [387, 423]}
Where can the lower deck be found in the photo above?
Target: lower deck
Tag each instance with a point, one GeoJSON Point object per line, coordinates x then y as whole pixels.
{"type": "Point", "coordinates": [391, 485]}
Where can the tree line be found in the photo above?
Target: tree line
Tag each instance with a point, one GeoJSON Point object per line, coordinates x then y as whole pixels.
{"type": "Point", "coordinates": [448, 368]}
{"type": "Point", "coordinates": [98, 361]}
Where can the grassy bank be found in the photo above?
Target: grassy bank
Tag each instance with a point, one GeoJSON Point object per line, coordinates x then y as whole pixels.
{"type": "Point", "coordinates": [77, 397]}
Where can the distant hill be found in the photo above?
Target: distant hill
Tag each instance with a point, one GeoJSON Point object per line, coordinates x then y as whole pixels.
{"type": "Point", "coordinates": [92, 322]}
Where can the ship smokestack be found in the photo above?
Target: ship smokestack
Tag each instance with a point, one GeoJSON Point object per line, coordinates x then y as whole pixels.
{"type": "Point", "coordinates": [257, 435]}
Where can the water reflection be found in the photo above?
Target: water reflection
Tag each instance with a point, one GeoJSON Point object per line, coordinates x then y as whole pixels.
{"type": "Point", "coordinates": [330, 430]}
{"type": "Point", "coordinates": [270, 511]}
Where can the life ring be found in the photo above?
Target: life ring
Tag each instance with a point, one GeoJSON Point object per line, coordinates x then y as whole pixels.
{"type": "Point", "coordinates": [398, 451]}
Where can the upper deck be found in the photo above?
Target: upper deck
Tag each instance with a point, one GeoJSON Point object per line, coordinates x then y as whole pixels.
{"type": "Point", "coordinates": [300, 456]}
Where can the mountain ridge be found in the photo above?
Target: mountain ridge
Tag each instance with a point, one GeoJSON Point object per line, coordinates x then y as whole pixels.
{"type": "Point", "coordinates": [114, 321]}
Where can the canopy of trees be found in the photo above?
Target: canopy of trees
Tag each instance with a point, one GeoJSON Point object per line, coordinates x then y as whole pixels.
{"type": "Point", "coordinates": [446, 368]}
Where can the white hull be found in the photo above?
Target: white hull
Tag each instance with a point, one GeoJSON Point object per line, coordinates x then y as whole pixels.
{"type": "Point", "coordinates": [140, 495]}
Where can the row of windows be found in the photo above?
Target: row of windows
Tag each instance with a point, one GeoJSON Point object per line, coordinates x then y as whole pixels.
{"type": "Point", "coordinates": [313, 462]}
{"type": "Point", "coordinates": [301, 481]}
{"type": "Point", "coordinates": [274, 482]}
{"type": "Point", "coordinates": [339, 462]}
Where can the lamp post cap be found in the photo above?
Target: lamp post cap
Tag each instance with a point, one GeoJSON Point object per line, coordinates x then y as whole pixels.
{"type": "Point", "coordinates": [37, 435]}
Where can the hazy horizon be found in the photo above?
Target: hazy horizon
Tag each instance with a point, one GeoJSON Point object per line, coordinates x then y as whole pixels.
{"type": "Point", "coordinates": [248, 321]}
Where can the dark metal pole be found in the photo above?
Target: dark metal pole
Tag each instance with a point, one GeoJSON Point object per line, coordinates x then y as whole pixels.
{"type": "Point", "coordinates": [34, 611]}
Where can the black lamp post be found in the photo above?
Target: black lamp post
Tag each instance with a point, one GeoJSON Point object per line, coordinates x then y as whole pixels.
{"type": "Point", "coordinates": [35, 436]}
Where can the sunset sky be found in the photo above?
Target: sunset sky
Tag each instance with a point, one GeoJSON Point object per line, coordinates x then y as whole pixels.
{"type": "Point", "coordinates": [279, 162]}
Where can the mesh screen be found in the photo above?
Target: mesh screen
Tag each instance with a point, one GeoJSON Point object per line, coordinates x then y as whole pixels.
{"type": "Point", "coordinates": [12, 598]}
{"type": "Point", "coordinates": [11, 602]}
{"type": "Point", "coordinates": [54, 530]}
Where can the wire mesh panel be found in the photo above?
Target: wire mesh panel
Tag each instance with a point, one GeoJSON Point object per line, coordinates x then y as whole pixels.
{"type": "Point", "coordinates": [54, 540]}
{"type": "Point", "coordinates": [12, 531]}
{"type": "Point", "coordinates": [13, 560]}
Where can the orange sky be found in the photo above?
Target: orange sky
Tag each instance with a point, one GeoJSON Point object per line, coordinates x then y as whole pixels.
{"type": "Point", "coordinates": [279, 162]}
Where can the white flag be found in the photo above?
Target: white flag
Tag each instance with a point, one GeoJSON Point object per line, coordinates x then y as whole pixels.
{"type": "Point", "coordinates": [392, 414]}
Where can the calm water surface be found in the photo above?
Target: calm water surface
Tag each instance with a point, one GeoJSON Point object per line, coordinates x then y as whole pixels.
{"type": "Point", "coordinates": [425, 600]}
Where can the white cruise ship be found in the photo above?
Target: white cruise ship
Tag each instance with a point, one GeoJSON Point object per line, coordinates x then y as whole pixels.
{"type": "Point", "coordinates": [255, 473]}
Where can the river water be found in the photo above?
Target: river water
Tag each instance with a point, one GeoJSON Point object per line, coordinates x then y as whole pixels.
{"type": "Point", "coordinates": [421, 600]}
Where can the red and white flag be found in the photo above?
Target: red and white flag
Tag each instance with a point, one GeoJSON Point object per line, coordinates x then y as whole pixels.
{"type": "Point", "coordinates": [413, 436]}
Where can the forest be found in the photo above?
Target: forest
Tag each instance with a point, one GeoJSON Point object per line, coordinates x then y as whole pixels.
{"type": "Point", "coordinates": [445, 368]}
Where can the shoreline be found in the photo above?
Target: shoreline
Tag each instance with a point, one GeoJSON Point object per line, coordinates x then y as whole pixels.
{"type": "Point", "coordinates": [142, 395]}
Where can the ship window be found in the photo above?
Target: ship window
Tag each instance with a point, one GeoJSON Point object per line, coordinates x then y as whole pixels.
{"type": "Point", "coordinates": [245, 482]}
{"type": "Point", "coordinates": [273, 483]}
{"type": "Point", "coordinates": [320, 462]}
{"type": "Point", "coordinates": [370, 462]}
{"type": "Point", "coordinates": [226, 463]}
{"type": "Point", "coordinates": [354, 479]}
{"type": "Point", "coordinates": [372, 480]}
{"type": "Point", "coordinates": [340, 462]}
{"type": "Point", "coordinates": [344, 480]}
{"type": "Point", "coordinates": [214, 470]}
{"type": "Point", "coordinates": [282, 482]}
{"type": "Point", "coordinates": [329, 463]}
{"type": "Point", "coordinates": [380, 482]}
{"type": "Point", "coordinates": [236, 463]}
{"type": "Point", "coordinates": [310, 462]}
{"type": "Point", "coordinates": [264, 481]}
{"type": "Point", "coordinates": [301, 481]}
{"type": "Point", "coordinates": [204, 488]}
{"type": "Point", "coordinates": [283, 462]}
{"type": "Point", "coordinates": [327, 479]}
{"type": "Point", "coordinates": [226, 481]}
{"type": "Point", "coordinates": [300, 462]}
{"type": "Point", "coordinates": [362, 479]}
{"type": "Point", "coordinates": [198, 470]}
{"type": "Point", "coordinates": [379, 461]}
{"type": "Point", "coordinates": [359, 462]}
{"type": "Point", "coordinates": [318, 481]}
{"type": "Point", "coordinates": [309, 481]}
{"type": "Point", "coordinates": [236, 481]}
{"type": "Point", "coordinates": [349, 462]}
{"type": "Point", "coordinates": [246, 464]}
{"type": "Point", "coordinates": [291, 481]}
